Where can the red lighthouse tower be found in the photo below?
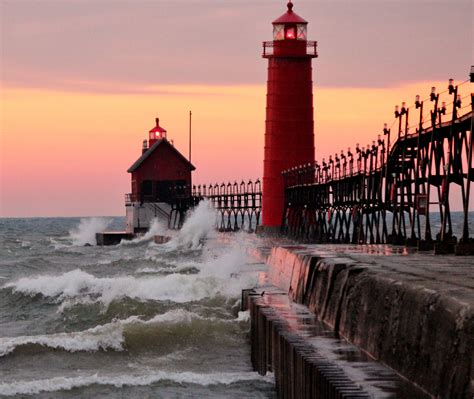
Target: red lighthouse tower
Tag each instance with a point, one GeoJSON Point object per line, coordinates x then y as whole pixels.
{"type": "Point", "coordinates": [289, 126]}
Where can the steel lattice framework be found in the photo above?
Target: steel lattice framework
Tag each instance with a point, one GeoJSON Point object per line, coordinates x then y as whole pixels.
{"type": "Point", "coordinates": [391, 193]}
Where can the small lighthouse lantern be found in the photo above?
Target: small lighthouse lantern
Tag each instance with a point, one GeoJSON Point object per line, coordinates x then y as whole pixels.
{"type": "Point", "coordinates": [289, 26]}
{"type": "Point", "coordinates": [157, 133]}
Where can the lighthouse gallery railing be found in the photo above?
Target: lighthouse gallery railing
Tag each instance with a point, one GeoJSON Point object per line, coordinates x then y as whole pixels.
{"type": "Point", "coordinates": [311, 48]}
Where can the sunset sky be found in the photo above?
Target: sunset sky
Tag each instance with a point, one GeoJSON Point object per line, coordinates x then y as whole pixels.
{"type": "Point", "coordinates": [82, 82]}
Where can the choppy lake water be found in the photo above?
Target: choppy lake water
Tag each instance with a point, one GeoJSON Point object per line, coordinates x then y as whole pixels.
{"type": "Point", "coordinates": [138, 320]}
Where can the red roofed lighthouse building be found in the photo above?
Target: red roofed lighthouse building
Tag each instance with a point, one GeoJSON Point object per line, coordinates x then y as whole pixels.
{"type": "Point", "coordinates": [161, 177]}
{"type": "Point", "coordinates": [289, 126]}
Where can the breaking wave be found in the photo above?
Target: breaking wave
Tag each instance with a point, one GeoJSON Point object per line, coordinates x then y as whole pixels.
{"type": "Point", "coordinates": [68, 383]}
{"type": "Point", "coordinates": [103, 337]}
{"type": "Point", "coordinates": [216, 277]}
{"type": "Point", "coordinates": [87, 229]}
{"type": "Point", "coordinates": [199, 225]}
{"type": "Point", "coordinates": [157, 227]}
{"type": "Point", "coordinates": [175, 287]}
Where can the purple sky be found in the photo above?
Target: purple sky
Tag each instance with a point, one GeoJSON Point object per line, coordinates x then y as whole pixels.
{"type": "Point", "coordinates": [105, 45]}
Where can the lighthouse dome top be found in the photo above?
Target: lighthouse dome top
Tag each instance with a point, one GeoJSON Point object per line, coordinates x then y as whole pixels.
{"type": "Point", "coordinates": [289, 17]}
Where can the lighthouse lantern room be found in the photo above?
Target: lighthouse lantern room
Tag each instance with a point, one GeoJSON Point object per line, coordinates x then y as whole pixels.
{"type": "Point", "coordinates": [289, 26]}
{"type": "Point", "coordinates": [157, 133]}
{"type": "Point", "coordinates": [161, 178]}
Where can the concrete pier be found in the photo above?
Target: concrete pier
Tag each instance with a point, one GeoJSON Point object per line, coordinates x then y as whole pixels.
{"type": "Point", "coordinates": [410, 311]}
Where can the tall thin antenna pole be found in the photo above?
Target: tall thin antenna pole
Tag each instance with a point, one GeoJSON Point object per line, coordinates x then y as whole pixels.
{"type": "Point", "coordinates": [190, 116]}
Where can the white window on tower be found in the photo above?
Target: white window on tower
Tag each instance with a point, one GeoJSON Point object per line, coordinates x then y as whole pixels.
{"type": "Point", "coordinates": [278, 32]}
{"type": "Point", "coordinates": [301, 32]}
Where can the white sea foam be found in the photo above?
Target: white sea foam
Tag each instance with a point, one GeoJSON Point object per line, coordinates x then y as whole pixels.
{"type": "Point", "coordinates": [228, 271]}
{"type": "Point", "coordinates": [199, 225]}
{"type": "Point", "coordinates": [157, 227]}
{"type": "Point", "coordinates": [59, 244]}
{"type": "Point", "coordinates": [101, 337]}
{"type": "Point", "coordinates": [220, 273]}
{"type": "Point", "coordinates": [216, 276]}
{"type": "Point", "coordinates": [87, 229]}
{"type": "Point", "coordinates": [151, 270]}
{"type": "Point", "coordinates": [244, 316]}
{"type": "Point", "coordinates": [171, 266]}
{"type": "Point", "coordinates": [108, 336]}
{"type": "Point", "coordinates": [104, 262]}
{"type": "Point", "coordinates": [157, 256]}
{"type": "Point", "coordinates": [175, 287]}
{"type": "Point", "coordinates": [68, 383]}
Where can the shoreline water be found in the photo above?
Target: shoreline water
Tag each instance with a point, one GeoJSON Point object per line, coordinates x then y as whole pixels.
{"type": "Point", "coordinates": [137, 319]}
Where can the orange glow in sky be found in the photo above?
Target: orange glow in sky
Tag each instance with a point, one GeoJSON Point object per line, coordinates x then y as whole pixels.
{"type": "Point", "coordinates": [66, 153]}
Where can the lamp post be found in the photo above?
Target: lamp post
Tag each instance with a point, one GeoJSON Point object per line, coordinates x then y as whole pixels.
{"type": "Point", "coordinates": [359, 158]}
{"type": "Point", "coordinates": [381, 144]}
{"type": "Point", "coordinates": [434, 98]}
{"type": "Point", "coordinates": [417, 209]}
{"type": "Point", "coordinates": [386, 132]}
{"type": "Point", "coordinates": [344, 164]}
{"type": "Point", "coordinates": [375, 153]}
{"type": "Point", "coordinates": [368, 164]}
{"type": "Point", "coordinates": [331, 166]}
{"type": "Point", "coordinates": [399, 114]}
{"type": "Point", "coordinates": [453, 90]}
{"type": "Point", "coordinates": [441, 111]}
{"type": "Point", "coordinates": [324, 171]}
{"type": "Point", "coordinates": [419, 105]}
{"type": "Point", "coordinates": [351, 161]}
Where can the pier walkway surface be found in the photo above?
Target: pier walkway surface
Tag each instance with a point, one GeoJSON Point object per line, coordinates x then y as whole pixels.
{"type": "Point", "coordinates": [410, 311]}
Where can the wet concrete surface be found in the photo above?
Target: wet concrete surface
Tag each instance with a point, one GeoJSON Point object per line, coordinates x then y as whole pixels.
{"type": "Point", "coordinates": [411, 310]}
{"type": "Point", "coordinates": [449, 275]}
